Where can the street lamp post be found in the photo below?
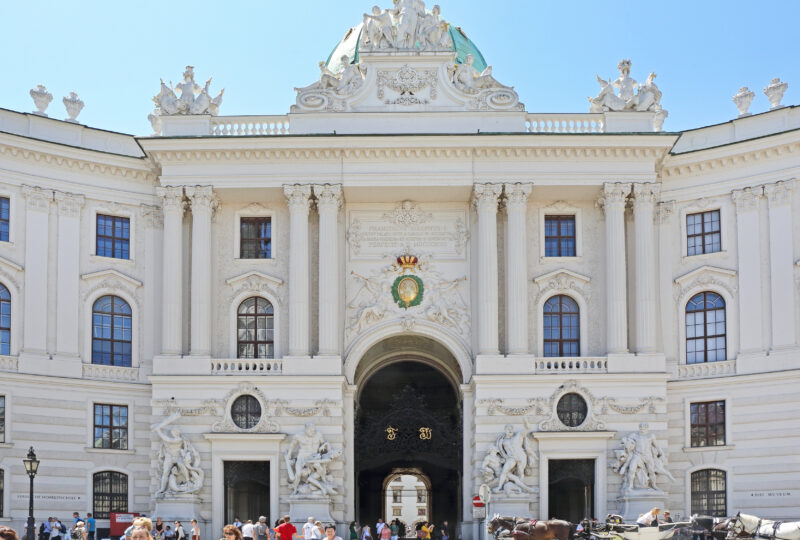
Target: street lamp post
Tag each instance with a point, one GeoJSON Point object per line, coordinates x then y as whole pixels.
{"type": "Point", "coordinates": [31, 466]}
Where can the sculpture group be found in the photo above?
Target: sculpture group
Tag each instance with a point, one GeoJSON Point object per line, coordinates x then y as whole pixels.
{"type": "Point", "coordinates": [180, 468]}
{"type": "Point", "coordinates": [406, 26]}
{"type": "Point", "coordinates": [504, 467]}
{"type": "Point", "coordinates": [194, 99]}
{"type": "Point", "coordinates": [632, 96]}
{"type": "Point", "coordinates": [641, 461]}
{"type": "Point", "coordinates": [307, 460]}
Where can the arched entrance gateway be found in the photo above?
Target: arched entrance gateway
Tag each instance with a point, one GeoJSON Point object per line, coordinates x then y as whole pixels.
{"type": "Point", "coordinates": [408, 433]}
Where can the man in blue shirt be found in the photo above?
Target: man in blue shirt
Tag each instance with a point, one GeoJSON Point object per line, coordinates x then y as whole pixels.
{"type": "Point", "coordinates": [91, 526]}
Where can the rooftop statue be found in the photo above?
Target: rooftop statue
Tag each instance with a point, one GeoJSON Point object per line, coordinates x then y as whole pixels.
{"type": "Point", "coordinates": [631, 97]}
{"type": "Point", "coordinates": [194, 99]}
{"type": "Point", "coordinates": [467, 79]}
{"type": "Point", "coordinates": [406, 26]}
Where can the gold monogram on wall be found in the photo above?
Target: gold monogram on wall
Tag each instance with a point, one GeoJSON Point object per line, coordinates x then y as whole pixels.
{"type": "Point", "coordinates": [391, 433]}
{"type": "Point", "coordinates": [425, 433]}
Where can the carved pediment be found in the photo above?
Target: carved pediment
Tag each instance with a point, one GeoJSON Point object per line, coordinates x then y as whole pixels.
{"type": "Point", "coordinates": [563, 280]}
{"type": "Point", "coordinates": [254, 281]}
{"type": "Point", "coordinates": [705, 276]}
{"type": "Point", "coordinates": [111, 274]}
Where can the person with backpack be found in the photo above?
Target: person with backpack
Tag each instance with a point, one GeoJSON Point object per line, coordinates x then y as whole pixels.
{"type": "Point", "coordinates": [260, 529]}
{"type": "Point", "coordinates": [78, 532]}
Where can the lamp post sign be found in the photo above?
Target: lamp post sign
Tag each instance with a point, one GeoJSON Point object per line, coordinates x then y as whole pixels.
{"type": "Point", "coordinates": [485, 497]}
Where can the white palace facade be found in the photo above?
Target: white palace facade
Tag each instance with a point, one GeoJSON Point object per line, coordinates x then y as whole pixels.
{"type": "Point", "coordinates": [407, 275]}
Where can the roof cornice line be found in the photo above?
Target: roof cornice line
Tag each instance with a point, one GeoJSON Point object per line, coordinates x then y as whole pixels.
{"type": "Point", "coordinates": [737, 159]}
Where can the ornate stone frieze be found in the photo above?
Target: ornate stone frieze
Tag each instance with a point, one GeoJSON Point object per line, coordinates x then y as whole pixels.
{"type": "Point", "coordinates": [497, 406]}
{"type": "Point", "coordinates": [516, 195]}
{"type": "Point", "coordinates": [172, 199]}
{"type": "Point", "coordinates": [779, 193]}
{"type": "Point", "coordinates": [112, 373]}
{"type": "Point", "coordinates": [209, 407]}
{"type": "Point", "coordinates": [69, 204]}
{"type": "Point", "coordinates": [298, 197]}
{"type": "Point", "coordinates": [202, 198]}
{"type": "Point", "coordinates": [151, 216]}
{"type": "Point", "coordinates": [746, 199]}
{"type": "Point", "coordinates": [329, 196]}
{"type": "Point", "coordinates": [407, 213]}
{"type": "Point", "coordinates": [37, 198]}
{"type": "Point", "coordinates": [320, 407]}
{"type": "Point", "coordinates": [407, 82]}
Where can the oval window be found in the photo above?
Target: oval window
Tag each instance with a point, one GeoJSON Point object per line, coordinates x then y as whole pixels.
{"type": "Point", "coordinates": [572, 410]}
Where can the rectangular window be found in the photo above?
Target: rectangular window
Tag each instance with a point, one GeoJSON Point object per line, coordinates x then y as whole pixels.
{"type": "Point", "coordinates": [707, 423]}
{"type": "Point", "coordinates": [255, 238]}
{"type": "Point", "coordinates": [420, 496]}
{"type": "Point", "coordinates": [113, 236]}
{"type": "Point", "coordinates": [703, 233]}
{"type": "Point", "coordinates": [111, 426]}
{"type": "Point", "coordinates": [559, 236]}
{"type": "Point", "coordinates": [5, 211]}
{"type": "Point", "coordinates": [2, 420]}
{"type": "Point", "coordinates": [396, 496]}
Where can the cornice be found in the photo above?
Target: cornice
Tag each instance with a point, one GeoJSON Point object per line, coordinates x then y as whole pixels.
{"type": "Point", "coordinates": [141, 169]}
{"type": "Point", "coordinates": [728, 157]}
{"type": "Point", "coordinates": [418, 152]}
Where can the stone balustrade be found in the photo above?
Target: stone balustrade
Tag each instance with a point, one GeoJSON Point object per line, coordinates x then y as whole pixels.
{"type": "Point", "coordinates": [565, 123]}
{"type": "Point", "coordinates": [8, 363]}
{"type": "Point", "coordinates": [227, 126]}
{"type": "Point", "coordinates": [247, 366]}
{"type": "Point", "coordinates": [577, 364]}
{"type": "Point", "coordinates": [706, 369]}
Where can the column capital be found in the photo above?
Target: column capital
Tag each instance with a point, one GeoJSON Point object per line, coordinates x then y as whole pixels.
{"type": "Point", "coordinates": [645, 194]}
{"type": "Point", "coordinates": [664, 211]}
{"type": "Point", "coordinates": [779, 193]}
{"type": "Point", "coordinates": [298, 196]}
{"type": "Point", "coordinates": [516, 195]}
{"type": "Point", "coordinates": [37, 198]}
{"type": "Point", "coordinates": [151, 215]}
{"type": "Point", "coordinates": [746, 199]}
{"type": "Point", "coordinates": [614, 194]}
{"type": "Point", "coordinates": [202, 198]}
{"type": "Point", "coordinates": [484, 196]}
{"type": "Point", "coordinates": [329, 196]}
{"type": "Point", "coordinates": [69, 204]}
{"type": "Point", "coordinates": [171, 198]}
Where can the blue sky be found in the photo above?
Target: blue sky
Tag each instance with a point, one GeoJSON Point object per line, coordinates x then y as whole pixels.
{"type": "Point", "coordinates": [112, 53]}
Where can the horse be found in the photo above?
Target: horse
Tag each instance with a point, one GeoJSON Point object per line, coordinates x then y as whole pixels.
{"type": "Point", "coordinates": [714, 526]}
{"type": "Point", "coordinates": [530, 529]}
{"type": "Point", "coordinates": [744, 525]}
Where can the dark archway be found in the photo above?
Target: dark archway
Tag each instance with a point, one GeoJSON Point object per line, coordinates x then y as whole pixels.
{"type": "Point", "coordinates": [408, 416]}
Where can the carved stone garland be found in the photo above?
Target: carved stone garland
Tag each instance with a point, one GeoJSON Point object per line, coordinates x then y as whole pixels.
{"type": "Point", "coordinates": [407, 82]}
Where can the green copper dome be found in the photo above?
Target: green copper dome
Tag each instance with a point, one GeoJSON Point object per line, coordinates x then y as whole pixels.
{"type": "Point", "coordinates": [349, 46]}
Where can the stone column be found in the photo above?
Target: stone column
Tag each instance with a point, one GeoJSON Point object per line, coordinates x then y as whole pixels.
{"type": "Point", "coordinates": [614, 195]}
{"type": "Point", "coordinates": [485, 200]}
{"type": "Point", "coordinates": [781, 264]}
{"type": "Point", "coordinates": [152, 221]}
{"type": "Point", "coordinates": [298, 196]}
{"type": "Point", "coordinates": [68, 272]}
{"type": "Point", "coordinates": [329, 200]}
{"type": "Point", "coordinates": [173, 206]}
{"type": "Point", "coordinates": [643, 215]}
{"type": "Point", "coordinates": [749, 250]}
{"type": "Point", "coordinates": [517, 268]}
{"type": "Point", "coordinates": [204, 202]}
{"type": "Point", "coordinates": [37, 215]}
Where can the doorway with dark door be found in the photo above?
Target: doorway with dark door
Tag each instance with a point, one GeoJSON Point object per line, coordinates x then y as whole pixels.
{"type": "Point", "coordinates": [246, 490]}
{"type": "Point", "coordinates": [571, 489]}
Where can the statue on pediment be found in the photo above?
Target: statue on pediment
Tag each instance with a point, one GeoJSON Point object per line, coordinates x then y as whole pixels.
{"type": "Point", "coordinates": [379, 28]}
{"type": "Point", "coordinates": [467, 79]}
{"type": "Point", "coordinates": [631, 97]}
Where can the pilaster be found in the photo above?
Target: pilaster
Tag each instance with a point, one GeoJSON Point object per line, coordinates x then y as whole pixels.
{"type": "Point", "coordinates": [203, 202]}
{"type": "Point", "coordinates": [516, 198]}
{"type": "Point", "coordinates": [153, 221]}
{"type": "Point", "coordinates": [645, 197]}
{"type": "Point", "coordinates": [781, 242]}
{"type": "Point", "coordinates": [298, 198]}
{"type": "Point", "coordinates": [173, 205]}
{"type": "Point", "coordinates": [485, 198]}
{"type": "Point", "coordinates": [749, 251]}
{"type": "Point", "coordinates": [613, 202]}
{"type": "Point", "coordinates": [37, 215]}
{"type": "Point", "coordinates": [68, 272]}
{"type": "Point", "coordinates": [329, 201]}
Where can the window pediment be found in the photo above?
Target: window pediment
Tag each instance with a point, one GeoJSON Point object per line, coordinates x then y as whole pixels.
{"type": "Point", "coordinates": [562, 280]}
{"type": "Point", "coordinates": [110, 275]}
{"type": "Point", "coordinates": [703, 277]}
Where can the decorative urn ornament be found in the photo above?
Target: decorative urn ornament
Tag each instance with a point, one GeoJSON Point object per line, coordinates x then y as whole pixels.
{"type": "Point", "coordinates": [774, 92]}
{"type": "Point", "coordinates": [742, 100]}
{"type": "Point", "coordinates": [74, 106]}
{"type": "Point", "coordinates": [41, 98]}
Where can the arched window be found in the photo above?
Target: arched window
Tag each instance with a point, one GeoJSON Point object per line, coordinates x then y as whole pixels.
{"type": "Point", "coordinates": [709, 493]}
{"type": "Point", "coordinates": [561, 327]}
{"type": "Point", "coordinates": [5, 320]}
{"type": "Point", "coordinates": [705, 328]}
{"type": "Point", "coordinates": [254, 326]}
{"type": "Point", "coordinates": [111, 332]}
{"type": "Point", "coordinates": [110, 493]}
